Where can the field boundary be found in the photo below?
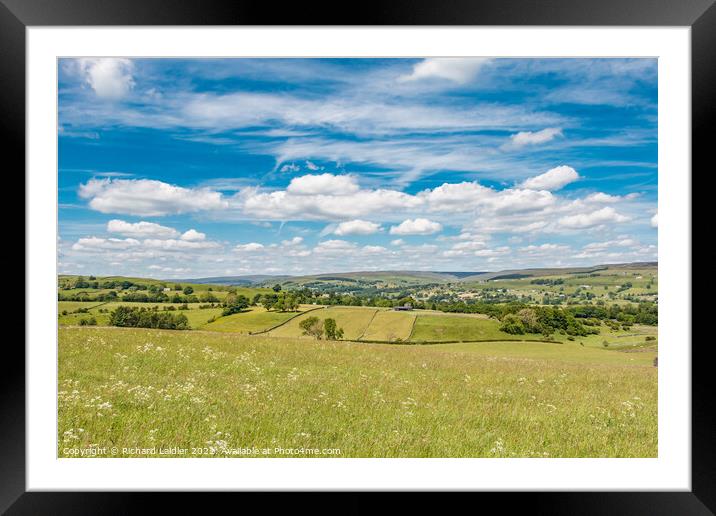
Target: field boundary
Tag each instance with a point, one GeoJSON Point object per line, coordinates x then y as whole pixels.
{"type": "Point", "coordinates": [286, 321]}
{"type": "Point", "coordinates": [412, 327]}
{"type": "Point", "coordinates": [375, 312]}
{"type": "Point", "coordinates": [436, 342]}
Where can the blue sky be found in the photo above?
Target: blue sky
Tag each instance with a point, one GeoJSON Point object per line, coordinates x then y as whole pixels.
{"type": "Point", "coordinates": [201, 167]}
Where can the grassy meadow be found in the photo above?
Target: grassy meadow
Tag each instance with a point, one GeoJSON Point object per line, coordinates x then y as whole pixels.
{"type": "Point", "coordinates": [211, 394]}
{"type": "Point", "coordinates": [419, 383]}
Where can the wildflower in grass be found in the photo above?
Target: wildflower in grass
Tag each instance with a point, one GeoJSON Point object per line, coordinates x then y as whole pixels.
{"type": "Point", "coordinates": [498, 448]}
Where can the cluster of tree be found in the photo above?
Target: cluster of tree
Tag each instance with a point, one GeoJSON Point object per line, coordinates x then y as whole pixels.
{"type": "Point", "coordinates": [234, 304]}
{"type": "Point", "coordinates": [140, 317]}
{"type": "Point", "coordinates": [281, 301]}
{"type": "Point", "coordinates": [141, 297]}
{"type": "Point", "coordinates": [545, 320]}
{"type": "Point", "coordinates": [314, 327]}
{"type": "Point", "coordinates": [645, 312]}
{"type": "Point", "coordinates": [546, 281]}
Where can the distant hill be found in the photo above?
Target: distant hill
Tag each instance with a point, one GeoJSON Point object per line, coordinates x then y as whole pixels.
{"type": "Point", "coordinates": [235, 280]}
{"type": "Point", "coordinates": [405, 277]}
{"type": "Point", "coordinates": [530, 273]}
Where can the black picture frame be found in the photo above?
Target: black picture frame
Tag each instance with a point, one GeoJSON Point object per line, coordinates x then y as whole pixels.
{"type": "Point", "coordinates": [700, 15]}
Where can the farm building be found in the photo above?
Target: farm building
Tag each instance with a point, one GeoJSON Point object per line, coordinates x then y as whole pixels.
{"type": "Point", "coordinates": [403, 308]}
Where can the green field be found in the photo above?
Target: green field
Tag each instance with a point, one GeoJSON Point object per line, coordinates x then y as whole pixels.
{"type": "Point", "coordinates": [214, 393]}
{"type": "Point", "coordinates": [389, 326]}
{"type": "Point", "coordinates": [433, 327]}
{"type": "Point", "coordinates": [362, 323]}
{"type": "Point", "coordinates": [253, 320]}
{"type": "Point", "coordinates": [353, 320]}
{"type": "Point", "coordinates": [198, 317]}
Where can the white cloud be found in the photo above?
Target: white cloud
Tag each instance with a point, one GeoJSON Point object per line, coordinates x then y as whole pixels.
{"type": "Point", "coordinates": [553, 179]}
{"type": "Point", "coordinates": [145, 197]}
{"type": "Point", "coordinates": [601, 197]}
{"type": "Point", "coordinates": [290, 167]}
{"type": "Point", "coordinates": [595, 218]}
{"type": "Point", "coordinates": [604, 198]}
{"type": "Point", "coordinates": [323, 184]}
{"type": "Point", "coordinates": [141, 229]}
{"type": "Point", "coordinates": [545, 248]}
{"type": "Point", "coordinates": [600, 246]}
{"type": "Point", "coordinates": [356, 227]}
{"type": "Point", "coordinates": [293, 242]}
{"type": "Point", "coordinates": [533, 137]}
{"type": "Point", "coordinates": [334, 247]}
{"type": "Point", "coordinates": [250, 247]}
{"type": "Point", "coordinates": [514, 200]}
{"type": "Point", "coordinates": [286, 205]}
{"type": "Point", "coordinates": [655, 221]}
{"type": "Point", "coordinates": [178, 245]}
{"type": "Point", "coordinates": [416, 227]}
{"type": "Point", "coordinates": [373, 249]}
{"type": "Point", "coordinates": [312, 166]}
{"type": "Point", "coordinates": [397, 242]}
{"type": "Point", "coordinates": [110, 78]}
{"type": "Point", "coordinates": [193, 235]}
{"type": "Point", "coordinates": [94, 244]}
{"type": "Point", "coordinates": [460, 70]}
{"type": "Point", "coordinates": [456, 196]}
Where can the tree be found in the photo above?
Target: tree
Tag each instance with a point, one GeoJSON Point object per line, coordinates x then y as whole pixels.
{"type": "Point", "coordinates": [312, 326]}
{"type": "Point", "coordinates": [276, 288]}
{"type": "Point", "coordinates": [331, 329]}
{"type": "Point", "coordinates": [188, 290]}
{"type": "Point", "coordinates": [511, 324]}
{"type": "Point", "coordinates": [235, 304]}
{"type": "Point", "coordinates": [529, 320]}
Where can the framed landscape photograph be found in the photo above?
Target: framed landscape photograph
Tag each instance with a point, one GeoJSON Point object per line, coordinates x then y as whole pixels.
{"type": "Point", "coordinates": [361, 258]}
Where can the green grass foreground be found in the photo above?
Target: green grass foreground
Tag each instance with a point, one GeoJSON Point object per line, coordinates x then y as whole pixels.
{"type": "Point", "coordinates": [211, 394]}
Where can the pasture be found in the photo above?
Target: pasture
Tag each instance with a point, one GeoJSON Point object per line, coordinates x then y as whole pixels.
{"type": "Point", "coordinates": [447, 327]}
{"type": "Point", "coordinates": [252, 320]}
{"type": "Point", "coordinates": [353, 320]}
{"type": "Point", "coordinates": [198, 317]}
{"type": "Point", "coordinates": [212, 393]}
{"type": "Point", "coordinates": [390, 326]}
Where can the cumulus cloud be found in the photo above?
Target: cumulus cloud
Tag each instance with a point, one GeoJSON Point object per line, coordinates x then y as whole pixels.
{"type": "Point", "coordinates": [456, 196]}
{"type": "Point", "coordinates": [292, 242]}
{"type": "Point", "coordinates": [523, 138]}
{"type": "Point", "coordinates": [93, 244]}
{"type": "Point", "coordinates": [604, 198]}
{"type": "Point", "coordinates": [416, 227]}
{"type": "Point", "coordinates": [460, 70]}
{"type": "Point", "coordinates": [622, 242]}
{"type": "Point", "coordinates": [545, 248]}
{"type": "Point", "coordinates": [250, 247]}
{"type": "Point", "coordinates": [334, 247]}
{"type": "Point", "coordinates": [146, 197]}
{"type": "Point", "coordinates": [373, 249]}
{"type": "Point", "coordinates": [109, 78]}
{"type": "Point", "coordinates": [317, 184]}
{"type": "Point", "coordinates": [141, 229]}
{"type": "Point", "coordinates": [596, 218]}
{"type": "Point", "coordinates": [288, 205]}
{"type": "Point", "coordinates": [193, 235]}
{"type": "Point", "coordinates": [655, 221]}
{"type": "Point", "coordinates": [553, 179]}
{"type": "Point", "coordinates": [179, 245]}
{"type": "Point", "coordinates": [356, 227]}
